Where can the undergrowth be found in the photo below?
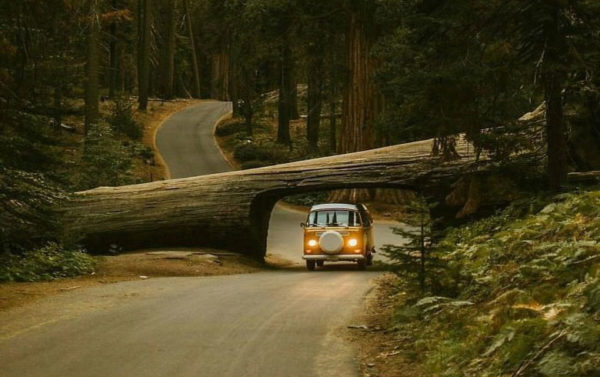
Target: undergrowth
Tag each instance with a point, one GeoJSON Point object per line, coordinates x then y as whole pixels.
{"type": "Point", "coordinates": [46, 263]}
{"type": "Point", "coordinates": [519, 296]}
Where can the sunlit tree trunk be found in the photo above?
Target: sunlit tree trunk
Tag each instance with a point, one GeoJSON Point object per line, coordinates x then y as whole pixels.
{"type": "Point", "coordinates": [362, 101]}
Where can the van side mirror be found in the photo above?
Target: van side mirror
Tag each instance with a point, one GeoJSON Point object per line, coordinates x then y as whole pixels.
{"type": "Point", "coordinates": [302, 225]}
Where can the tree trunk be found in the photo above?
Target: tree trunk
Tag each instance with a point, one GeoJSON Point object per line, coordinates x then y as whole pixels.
{"type": "Point", "coordinates": [247, 108]}
{"type": "Point", "coordinates": [92, 86]}
{"type": "Point", "coordinates": [332, 107]}
{"type": "Point", "coordinates": [113, 65]}
{"type": "Point", "coordinates": [314, 100]}
{"type": "Point", "coordinates": [220, 77]}
{"type": "Point", "coordinates": [234, 87]}
{"type": "Point", "coordinates": [283, 130]}
{"type": "Point", "coordinates": [196, 69]}
{"type": "Point", "coordinates": [145, 13]}
{"type": "Point", "coordinates": [361, 102]}
{"type": "Point", "coordinates": [293, 89]}
{"type": "Point", "coordinates": [553, 81]}
{"type": "Point", "coordinates": [58, 99]}
{"type": "Point", "coordinates": [332, 126]}
{"type": "Point", "coordinates": [169, 68]}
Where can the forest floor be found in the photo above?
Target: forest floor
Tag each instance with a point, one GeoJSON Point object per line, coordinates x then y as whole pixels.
{"type": "Point", "coordinates": [374, 334]}
{"type": "Point", "coordinates": [139, 265]}
{"type": "Point", "coordinates": [517, 293]}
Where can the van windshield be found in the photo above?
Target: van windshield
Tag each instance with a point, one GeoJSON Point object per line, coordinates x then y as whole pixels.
{"type": "Point", "coordinates": [333, 218]}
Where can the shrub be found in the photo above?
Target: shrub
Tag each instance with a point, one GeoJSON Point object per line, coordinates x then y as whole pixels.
{"type": "Point", "coordinates": [27, 216]}
{"type": "Point", "coordinates": [105, 161]}
{"type": "Point", "coordinates": [47, 263]}
{"type": "Point", "coordinates": [121, 120]}
{"type": "Point", "coordinates": [254, 165]}
{"type": "Point", "coordinates": [230, 127]}
{"type": "Point", "coordinates": [248, 152]}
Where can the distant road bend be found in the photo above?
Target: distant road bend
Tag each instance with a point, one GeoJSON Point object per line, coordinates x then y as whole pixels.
{"type": "Point", "coordinates": [272, 323]}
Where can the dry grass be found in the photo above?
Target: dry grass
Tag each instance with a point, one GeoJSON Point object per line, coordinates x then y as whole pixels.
{"type": "Point", "coordinates": [133, 266]}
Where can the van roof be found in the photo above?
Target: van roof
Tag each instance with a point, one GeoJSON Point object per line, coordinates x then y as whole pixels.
{"type": "Point", "coordinates": [334, 206]}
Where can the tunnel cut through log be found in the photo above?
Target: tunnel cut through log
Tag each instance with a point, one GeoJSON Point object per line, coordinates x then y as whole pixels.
{"type": "Point", "coordinates": [232, 210]}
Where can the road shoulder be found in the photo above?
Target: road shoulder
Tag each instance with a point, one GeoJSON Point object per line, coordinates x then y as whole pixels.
{"type": "Point", "coordinates": [373, 334]}
{"type": "Point", "coordinates": [139, 265]}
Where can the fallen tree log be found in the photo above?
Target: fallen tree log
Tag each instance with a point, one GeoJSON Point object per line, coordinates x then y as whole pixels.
{"type": "Point", "coordinates": [231, 210]}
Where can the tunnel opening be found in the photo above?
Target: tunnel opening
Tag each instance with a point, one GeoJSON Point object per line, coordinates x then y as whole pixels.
{"type": "Point", "coordinates": [278, 215]}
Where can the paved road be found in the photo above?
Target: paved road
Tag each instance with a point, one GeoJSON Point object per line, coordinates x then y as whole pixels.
{"type": "Point", "coordinates": [186, 143]}
{"type": "Point", "coordinates": [276, 323]}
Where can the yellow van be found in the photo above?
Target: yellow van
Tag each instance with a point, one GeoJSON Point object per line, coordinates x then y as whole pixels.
{"type": "Point", "coordinates": [338, 232]}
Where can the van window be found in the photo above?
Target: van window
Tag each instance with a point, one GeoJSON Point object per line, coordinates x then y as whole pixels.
{"type": "Point", "coordinates": [333, 218]}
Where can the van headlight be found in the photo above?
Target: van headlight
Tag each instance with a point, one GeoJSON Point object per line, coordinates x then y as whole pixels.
{"type": "Point", "coordinates": [352, 242]}
{"type": "Point", "coordinates": [312, 243]}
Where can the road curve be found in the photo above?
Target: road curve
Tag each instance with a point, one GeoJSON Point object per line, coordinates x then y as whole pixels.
{"type": "Point", "coordinates": [186, 143]}
{"type": "Point", "coordinates": [268, 324]}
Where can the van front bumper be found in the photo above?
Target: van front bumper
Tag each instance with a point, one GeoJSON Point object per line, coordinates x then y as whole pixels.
{"type": "Point", "coordinates": [335, 257]}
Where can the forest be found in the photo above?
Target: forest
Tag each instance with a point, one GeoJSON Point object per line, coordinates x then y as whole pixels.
{"type": "Point", "coordinates": [520, 79]}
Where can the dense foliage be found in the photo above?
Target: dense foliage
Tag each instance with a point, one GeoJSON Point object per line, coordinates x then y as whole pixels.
{"type": "Point", "coordinates": [46, 263]}
{"type": "Point", "coordinates": [520, 293]}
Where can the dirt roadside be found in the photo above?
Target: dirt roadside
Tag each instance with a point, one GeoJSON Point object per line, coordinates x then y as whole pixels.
{"type": "Point", "coordinates": [139, 265]}
{"type": "Point", "coordinates": [372, 332]}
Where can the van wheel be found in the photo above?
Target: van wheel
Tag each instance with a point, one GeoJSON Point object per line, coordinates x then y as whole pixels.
{"type": "Point", "coordinates": [320, 263]}
{"type": "Point", "coordinates": [362, 265]}
{"type": "Point", "coordinates": [370, 260]}
{"type": "Point", "coordinates": [310, 265]}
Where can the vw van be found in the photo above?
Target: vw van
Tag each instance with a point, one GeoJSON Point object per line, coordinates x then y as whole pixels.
{"type": "Point", "coordinates": [338, 232]}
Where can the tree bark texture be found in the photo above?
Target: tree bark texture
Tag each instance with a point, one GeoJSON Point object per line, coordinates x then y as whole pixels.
{"type": "Point", "coordinates": [92, 84]}
{"type": "Point", "coordinates": [168, 73]}
{"type": "Point", "coordinates": [285, 73]}
{"type": "Point", "coordinates": [232, 210]}
{"type": "Point", "coordinates": [553, 81]}
{"type": "Point", "coordinates": [145, 14]}
{"type": "Point", "coordinates": [195, 67]}
{"type": "Point", "coordinates": [219, 87]}
{"type": "Point", "coordinates": [362, 102]}
{"type": "Point", "coordinates": [314, 100]}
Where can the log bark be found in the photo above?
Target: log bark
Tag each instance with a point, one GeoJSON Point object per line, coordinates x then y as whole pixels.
{"type": "Point", "coordinates": [231, 211]}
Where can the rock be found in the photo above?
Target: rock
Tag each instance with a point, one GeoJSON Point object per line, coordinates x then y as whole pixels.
{"type": "Point", "coordinates": [143, 277]}
{"type": "Point", "coordinates": [358, 327]}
